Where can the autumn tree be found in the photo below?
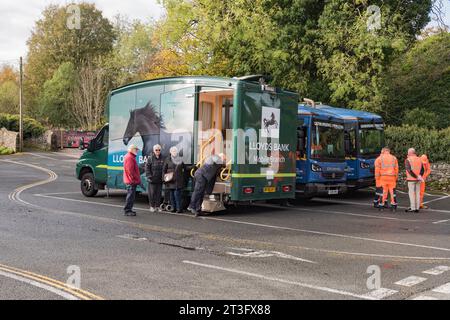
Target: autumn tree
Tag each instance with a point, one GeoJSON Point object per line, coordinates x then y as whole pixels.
{"type": "Point", "coordinates": [53, 43]}
{"type": "Point", "coordinates": [9, 90]}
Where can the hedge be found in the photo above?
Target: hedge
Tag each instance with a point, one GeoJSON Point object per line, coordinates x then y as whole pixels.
{"type": "Point", "coordinates": [5, 151]}
{"type": "Point", "coordinates": [31, 127]}
{"type": "Point", "coordinates": [434, 143]}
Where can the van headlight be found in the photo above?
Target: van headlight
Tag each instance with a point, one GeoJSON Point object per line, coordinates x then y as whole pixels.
{"type": "Point", "coordinates": [364, 165]}
{"type": "Point", "coordinates": [316, 168]}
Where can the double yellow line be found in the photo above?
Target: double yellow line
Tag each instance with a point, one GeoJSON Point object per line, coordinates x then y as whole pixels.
{"type": "Point", "coordinates": [78, 293]}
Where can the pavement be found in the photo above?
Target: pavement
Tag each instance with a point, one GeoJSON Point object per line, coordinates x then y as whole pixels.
{"type": "Point", "coordinates": [57, 244]}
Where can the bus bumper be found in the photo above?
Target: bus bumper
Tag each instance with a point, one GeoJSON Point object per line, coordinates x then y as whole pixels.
{"type": "Point", "coordinates": [361, 183]}
{"type": "Point", "coordinates": [320, 189]}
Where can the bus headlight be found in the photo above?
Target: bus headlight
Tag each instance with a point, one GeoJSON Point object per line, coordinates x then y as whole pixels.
{"type": "Point", "coordinates": [364, 165]}
{"type": "Point", "coordinates": [316, 168]}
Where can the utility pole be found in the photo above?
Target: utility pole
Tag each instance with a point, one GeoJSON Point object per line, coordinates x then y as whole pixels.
{"type": "Point", "coordinates": [21, 107]}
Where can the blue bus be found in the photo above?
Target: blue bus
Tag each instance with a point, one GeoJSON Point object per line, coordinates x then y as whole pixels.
{"type": "Point", "coordinates": [364, 138]}
{"type": "Point", "coordinates": [320, 153]}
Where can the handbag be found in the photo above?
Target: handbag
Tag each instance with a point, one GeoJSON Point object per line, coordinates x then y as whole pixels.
{"type": "Point", "coordinates": [168, 177]}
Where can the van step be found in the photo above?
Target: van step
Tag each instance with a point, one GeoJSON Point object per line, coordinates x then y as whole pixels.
{"type": "Point", "coordinates": [212, 205]}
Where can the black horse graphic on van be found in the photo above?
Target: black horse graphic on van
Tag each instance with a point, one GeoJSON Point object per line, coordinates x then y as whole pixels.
{"type": "Point", "coordinates": [150, 127]}
{"type": "Point", "coordinates": [271, 122]}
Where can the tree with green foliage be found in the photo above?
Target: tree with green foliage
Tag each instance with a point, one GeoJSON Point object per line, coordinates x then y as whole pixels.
{"type": "Point", "coordinates": [321, 49]}
{"type": "Point", "coordinates": [52, 43]}
{"type": "Point", "coordinates": [56, 98]}
{"type": "Point", "coordinates": [127, 62]}
{"type": "Point", "coordinates": [418, 84]}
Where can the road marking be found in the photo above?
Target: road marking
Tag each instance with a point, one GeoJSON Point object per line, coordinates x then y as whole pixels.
{"type": "Point", "coordinates": [255, 224]}
{"type": "Point", "coordinates": [48, 194]}
{"type": "Point", "coordinates": [441, 198]}
{"type": "Point", "coordinates": [58, 292]}
{"type": "Point", "coordinates": [27, 275]}
{"type": "Point", "coordinates": [40, 156]}
{"type": "Point", "coordinates": [341, 213]}
{"type": "Point", "coordinates": [443, 289]}
{"type": "Point", "coordinates": [437, 270]}
{"type": "Point", "coordinates": [424, 298]}
{"type": "Point", "coordinates": [132, 237]}
{"type": "Point", "coordinates": [371, 205]}
{"type": "Point", "coordinates": [68, 155]}
{"type": "Point", "coordinates": [180, 231]}
{"type": "Point", "coordinates": [329, 234]}
{"type": "Point", "coordinates": [381, 293]}
{"type": "Point", "coordinates": [440, 221]}
{"type": "Point", "coordinates": [300, 284]}
{"type": "Point", "coordinates": [250, 253]}
{"type": "Point", "coordinates": [410, 281]}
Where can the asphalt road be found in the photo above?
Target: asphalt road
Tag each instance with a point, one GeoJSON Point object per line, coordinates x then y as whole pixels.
{"type": "Point", "coordinates": [335, 248]}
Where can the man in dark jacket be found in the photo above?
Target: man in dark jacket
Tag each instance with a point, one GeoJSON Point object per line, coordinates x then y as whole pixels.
{"type": "Point", "coordinates": [153, 172]}
{"type": "Point", "coordinates": [205, 178]}
{"type": "Point", "coordinates": [131, 178]}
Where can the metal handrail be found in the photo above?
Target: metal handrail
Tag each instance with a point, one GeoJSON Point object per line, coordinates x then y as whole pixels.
{"type": "Point", "coordinates": [227, 168]}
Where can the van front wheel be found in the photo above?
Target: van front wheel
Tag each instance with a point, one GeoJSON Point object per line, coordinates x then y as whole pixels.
{"type": "Point", "coordinates": [88, 185]}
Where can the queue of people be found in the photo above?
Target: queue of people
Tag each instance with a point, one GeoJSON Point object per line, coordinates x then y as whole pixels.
{"type": "Point", "coordinates": [386, 176]}
{"type": "Point", "coordinates": [169, 174]}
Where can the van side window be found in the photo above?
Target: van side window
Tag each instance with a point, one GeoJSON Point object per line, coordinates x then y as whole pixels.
{"type": "Point", "coordinates": [101, 140]}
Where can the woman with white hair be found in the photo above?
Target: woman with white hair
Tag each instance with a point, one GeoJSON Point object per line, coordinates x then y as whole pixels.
{"type": "Point", "coordinates": [173, 173]}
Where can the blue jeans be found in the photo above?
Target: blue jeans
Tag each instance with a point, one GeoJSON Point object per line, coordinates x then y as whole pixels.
{"type": "Point", "coordinates": [131, 195]}
{"type": "Point", "coordinates": [175, 198]}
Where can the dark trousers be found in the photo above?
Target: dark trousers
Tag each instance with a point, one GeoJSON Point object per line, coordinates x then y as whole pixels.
{"type": "Point", "coordinates": [175, 198]}
{"type": "Point", "coordinates": [131, 195]}
{"type": "Point", "coordinates": [199, 192]}
{"type": "Point", "coordinates": [154, 194]}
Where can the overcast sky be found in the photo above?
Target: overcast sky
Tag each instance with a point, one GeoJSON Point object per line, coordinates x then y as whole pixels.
{"type": "Point", "coordinates": [17, 18]}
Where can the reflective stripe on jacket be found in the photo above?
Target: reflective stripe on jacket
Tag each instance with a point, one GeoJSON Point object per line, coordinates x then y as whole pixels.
{"type": "Point", "coordinates": [386, 165]}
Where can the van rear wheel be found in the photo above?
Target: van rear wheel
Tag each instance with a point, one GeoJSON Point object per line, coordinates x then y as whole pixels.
{"type": "Point", "coordinates": [88, 185]}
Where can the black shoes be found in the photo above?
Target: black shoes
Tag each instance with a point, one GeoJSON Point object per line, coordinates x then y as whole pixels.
{"type": "Point", "coordinates": [130, 213]}
{"type": "Point", "coordinates": [410, 210]}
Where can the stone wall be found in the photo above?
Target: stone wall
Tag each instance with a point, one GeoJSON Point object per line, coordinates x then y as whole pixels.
{"type": "Point", "coordinates": [9, 139]}
{"type": "Point", "coordinates": [440, 177]}
{"type": "Point", "coordinates": [45, 142]}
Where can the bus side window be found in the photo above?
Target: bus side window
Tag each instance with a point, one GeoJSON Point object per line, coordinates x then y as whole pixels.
{"type": "Point", "coordinates": [350, 143]}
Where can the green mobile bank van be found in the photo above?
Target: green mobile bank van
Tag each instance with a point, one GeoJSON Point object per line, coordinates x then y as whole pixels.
{"type": "Point", "coordinates": [252, 123]}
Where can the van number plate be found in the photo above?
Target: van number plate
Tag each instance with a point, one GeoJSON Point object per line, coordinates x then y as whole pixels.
{"type": "Point", "coordinates": [269, 189]}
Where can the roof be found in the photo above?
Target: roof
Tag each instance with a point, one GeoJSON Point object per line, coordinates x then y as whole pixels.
{"type": "Point", "coordinates": [308, 110]}
{"type": "Point", "coordinates": [344, 113]}
{"type": "Point", "coordinates": [208, 80]}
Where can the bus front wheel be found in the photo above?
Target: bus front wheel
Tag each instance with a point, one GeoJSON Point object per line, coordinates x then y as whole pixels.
{"type": "Point", "coordinates": [88, 185]}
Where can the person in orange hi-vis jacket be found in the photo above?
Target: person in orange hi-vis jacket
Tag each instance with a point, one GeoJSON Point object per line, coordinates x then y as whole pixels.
{"type": "Point", "coordinates": [386, 170]}
{"type": "Point", "coordinates": [414, 172]}
{"type": "Point", "coordinates": [426, 173]}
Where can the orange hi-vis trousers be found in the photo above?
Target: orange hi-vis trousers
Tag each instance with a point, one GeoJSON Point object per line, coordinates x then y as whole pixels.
{"type": "Point", "coordinates": [388, 183]}
{"type": "Point", "coordinates": [422, 191]}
